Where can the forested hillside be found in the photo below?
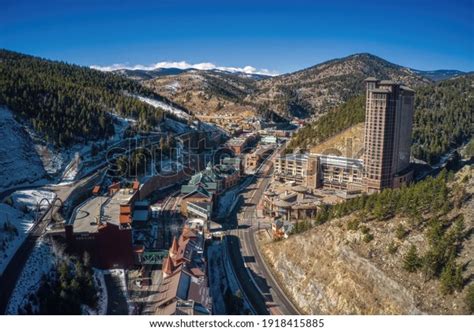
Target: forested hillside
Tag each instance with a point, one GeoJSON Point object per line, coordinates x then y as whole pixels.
{"type": "Point", "coordinates": [443, 119]}
{"type": "Point", "coordinates": [68, 103]}
{"type": "Point", "coordinates": [337, 120]}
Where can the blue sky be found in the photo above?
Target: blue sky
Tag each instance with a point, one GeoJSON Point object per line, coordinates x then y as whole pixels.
{"type": "Point", "coordinates": [281, 36]}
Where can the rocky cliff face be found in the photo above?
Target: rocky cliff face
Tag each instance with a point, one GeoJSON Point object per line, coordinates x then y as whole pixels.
{"type": "Point", "coordinates": [332, 270]}
{"type": "Point", "coordinates": [325, 275]}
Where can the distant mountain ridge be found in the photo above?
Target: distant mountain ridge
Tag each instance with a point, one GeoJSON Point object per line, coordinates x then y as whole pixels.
{"type": "Point", "coordinates": [441, 74]}
{"type": "Point", "coordinates": [317, 89]}
{"type": "Point", "coordinates": [141, 74]}
{"type": "Point", "coordinates": [144, 74]}
{"type": "Point", "coordinates": [304, 93]}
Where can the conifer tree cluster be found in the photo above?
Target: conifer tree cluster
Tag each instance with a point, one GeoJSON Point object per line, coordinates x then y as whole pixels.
{"type": "Point", "coordinates": [68, 103]}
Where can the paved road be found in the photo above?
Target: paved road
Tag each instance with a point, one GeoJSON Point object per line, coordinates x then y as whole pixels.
{"type": "Point", "coordinates": [275, 298]}
{"type": "Point", "coordinates": [252, 293]}
{"type": "Point", "coordinates": [255, 277]}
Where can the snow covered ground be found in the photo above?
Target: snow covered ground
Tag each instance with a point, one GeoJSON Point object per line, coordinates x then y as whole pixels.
{"type": "Point", "coordinates": [27, 200]}
{"type": "Point", "coordinates": [80, 156]}
{"type": "Point", "coordinates": [19, 161]}
{"type": "Point", "coordinates": [174, 86]}
{"type": "Point", "coordinates": [100, 284]}
{"type": "Point", "coordinates": [39, 263]}
{"type": "Point", "coordinates": [170, 166]}
{"type": "Point", "coordinates": [71, 170]}
{"type": "Point", "coordinates": [229, 199]}
{"type": "Point", "coordinates": [209, 127]}
{"type": "Point", "coordinates": [176, 126]}
{"type": "Point", "coordinates": [120, 125]}
{"type": "Point", "coordinates": [160, 104]}
{"type": "Point", "coordinates": [52, 160]}
{"type": "Point", "coordinates": [27, 159]}
{"type": "Point", "coordinates": [17, 220]}
{"type": "Point", "coordinates": [14, 227]}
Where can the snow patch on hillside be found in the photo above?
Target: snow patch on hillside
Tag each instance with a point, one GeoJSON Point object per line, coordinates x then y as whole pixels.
{"type": "Point", "coordinates": [168, 108]}
{"type": "Point", "coordinates": [176, 126]}
{"type": "Point", "coordinates": [174, 86]}
{"type": "Point", "coordinates": [19, 161]}
{"type": "Point", "coordinates": [28, 200]}
{"type": "Point", "coordinates": [17, 219]}
{"type": "Point", "coordinates": [119, 274]}
{"type": "Point", "coordinates": [26, 158]}
{"type": "Point", "coordinates": [102, 296]}
{"type": "Point", "coordinates": [14, 227]}
{"type": "Point", "coordinates": [227, 202]}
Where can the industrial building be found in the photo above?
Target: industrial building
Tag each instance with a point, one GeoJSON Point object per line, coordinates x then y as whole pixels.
{"type": "Point", "coordinates": [102, 226]}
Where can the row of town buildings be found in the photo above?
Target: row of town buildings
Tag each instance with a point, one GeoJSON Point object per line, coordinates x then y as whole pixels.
{"type": "Point", "coordinates": [201, 192]}
{"type": "Point", "coordinates": [185, 286]}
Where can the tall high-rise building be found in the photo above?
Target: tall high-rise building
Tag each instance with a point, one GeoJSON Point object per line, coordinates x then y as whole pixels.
{"type": "Point", "coordinates": [387, 140]}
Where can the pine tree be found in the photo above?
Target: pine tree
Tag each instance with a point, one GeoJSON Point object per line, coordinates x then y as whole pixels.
{"type": "Point", "coordinates": [451, 278]}
{"type": "Point", "coordinates": [411, 261]}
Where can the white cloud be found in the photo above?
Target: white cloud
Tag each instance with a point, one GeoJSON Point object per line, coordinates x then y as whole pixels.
{"type": "Point", "coordinates": [186, 65]}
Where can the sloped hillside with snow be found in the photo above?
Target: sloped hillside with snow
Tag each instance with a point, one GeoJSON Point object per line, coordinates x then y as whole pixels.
{"type": "Point", "coordinates": [28, 200]}
{"type": "Point", "coordinates": [16, 220]}
{"type": "Point", "coordinates": [166, 107]}
{"type": "Point", "coordinates": [19, 161]}
{"type": "Point", "coordinates": [14, 227]}
{"type": "Point", "coordinates": [26, 158]}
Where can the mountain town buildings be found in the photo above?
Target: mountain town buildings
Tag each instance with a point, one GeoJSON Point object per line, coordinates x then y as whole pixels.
{"type": "Point", "coordinates": [387, 142]}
